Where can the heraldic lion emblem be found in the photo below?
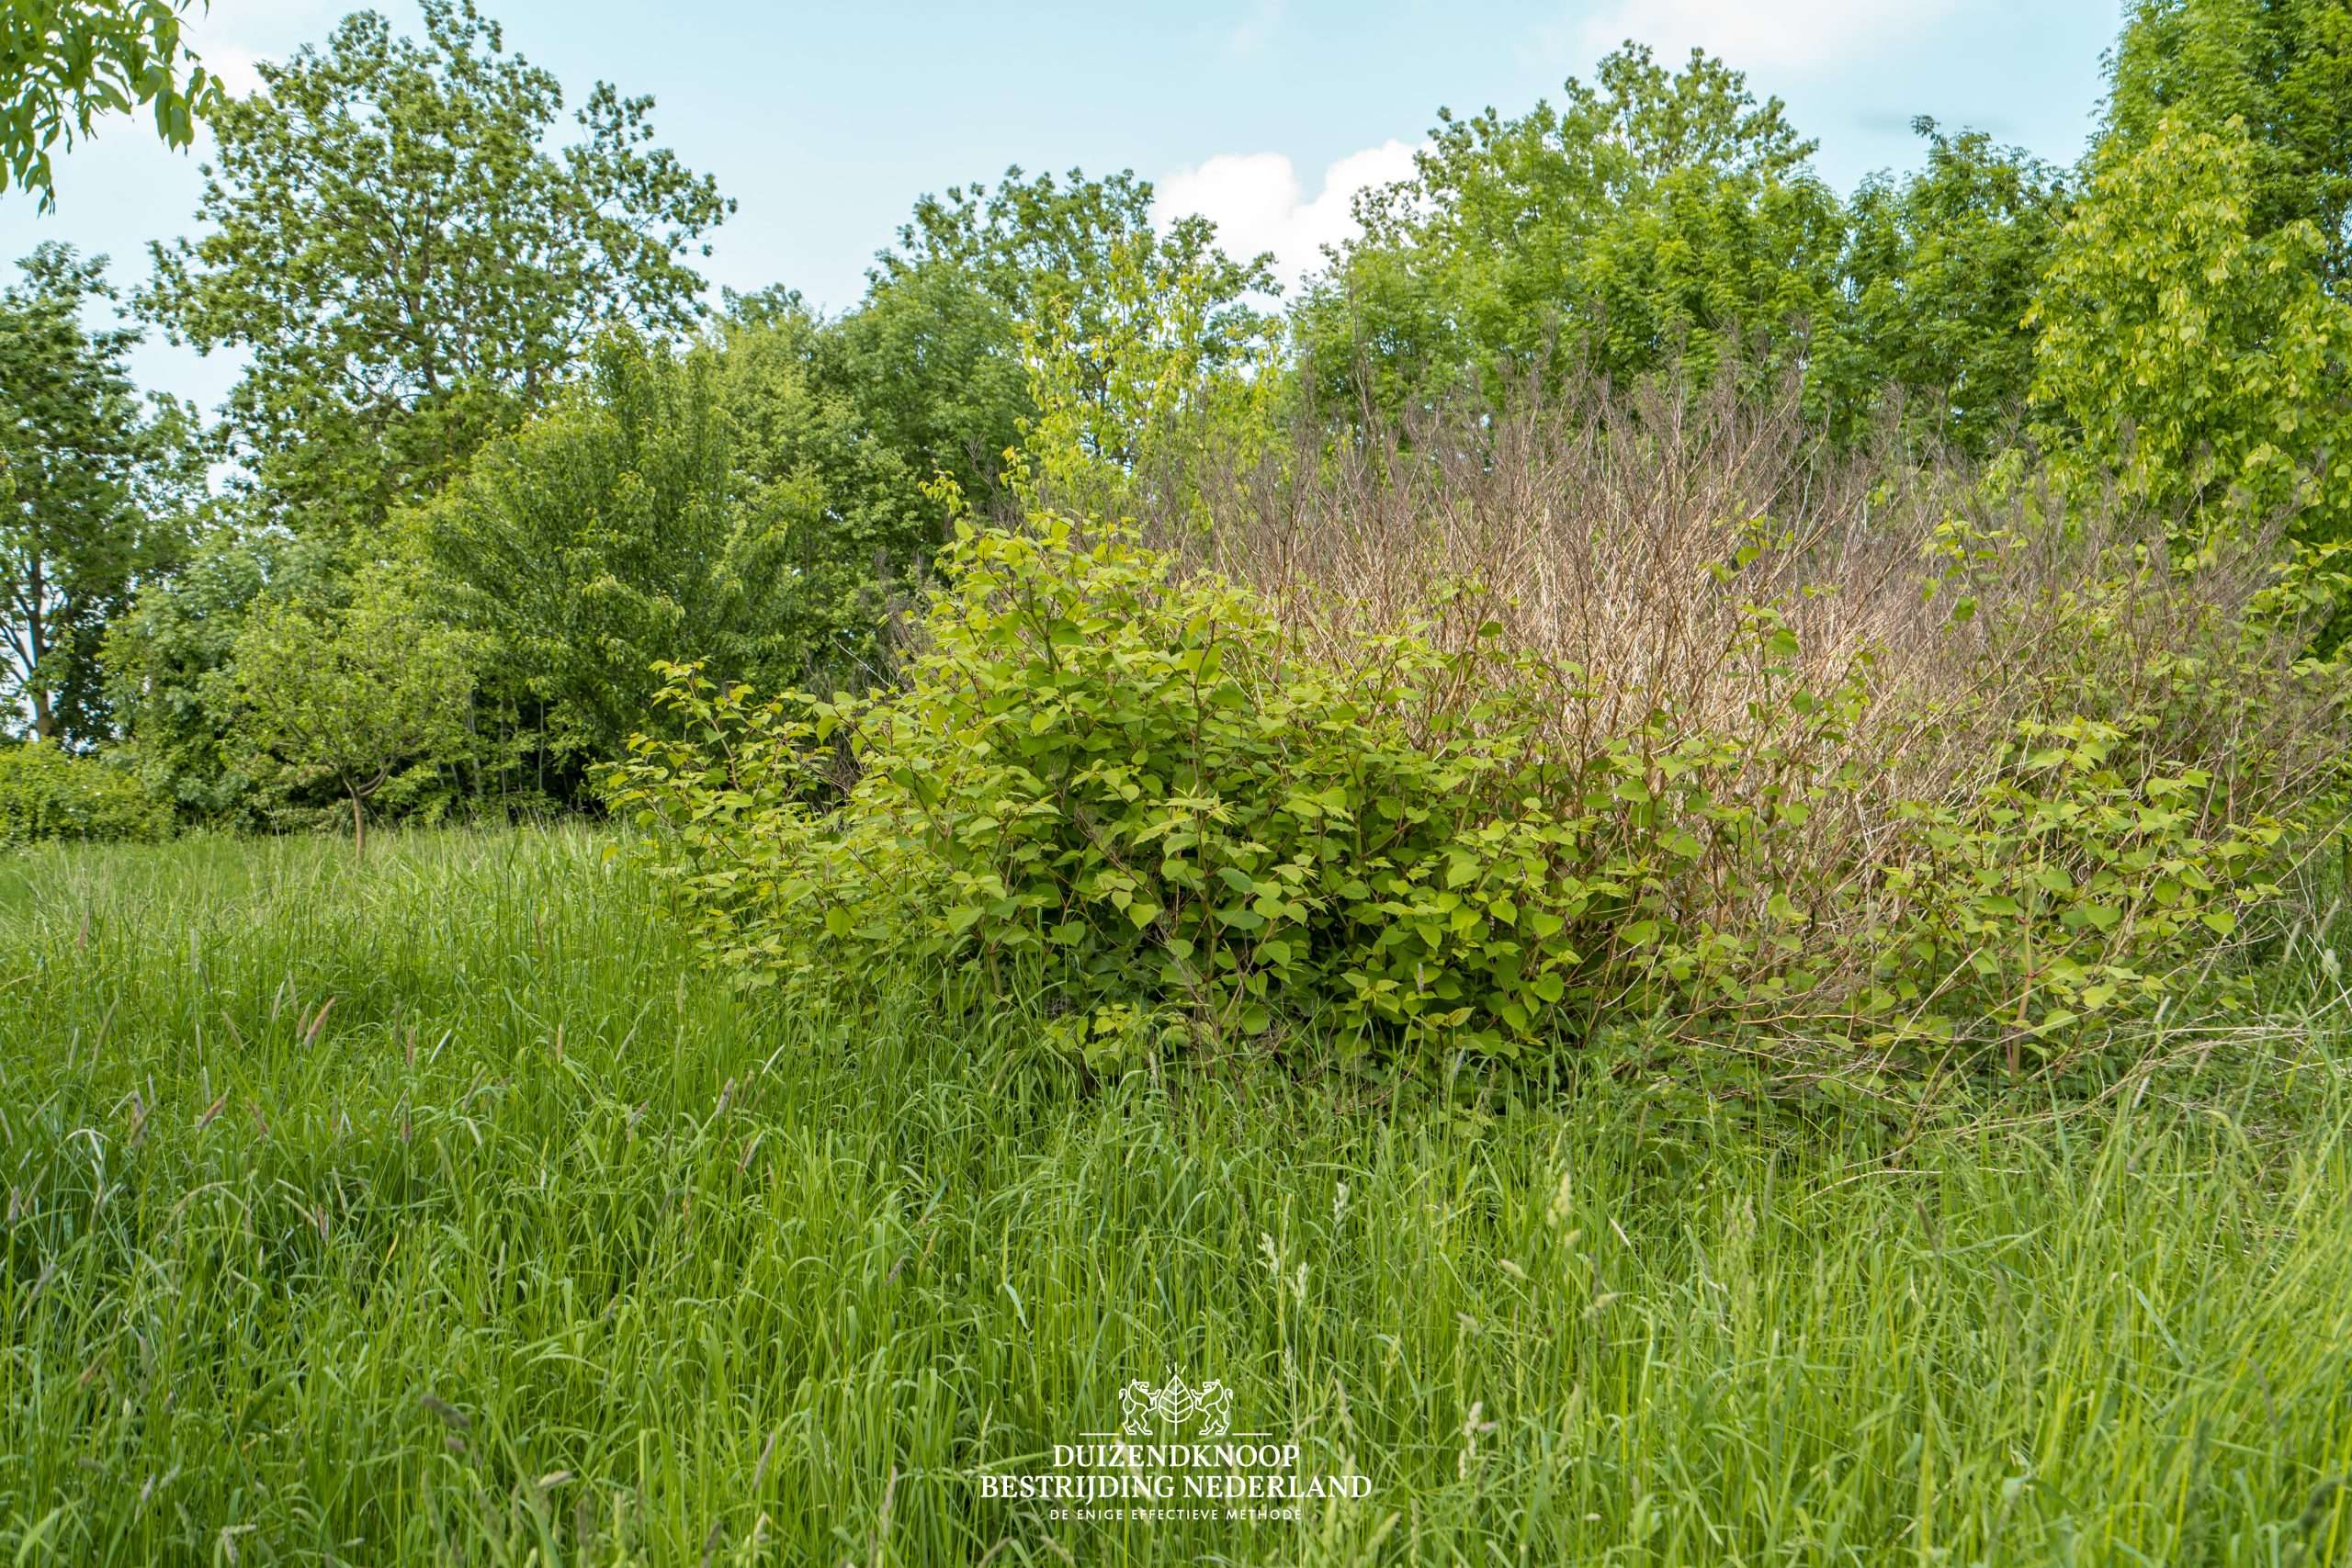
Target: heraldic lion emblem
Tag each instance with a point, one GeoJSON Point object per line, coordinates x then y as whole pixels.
{"type": "Point", "coordinates": [1145, 1408]}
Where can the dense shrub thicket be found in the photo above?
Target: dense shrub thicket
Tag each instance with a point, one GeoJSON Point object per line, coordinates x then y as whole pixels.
{"type": "Point", "coordinates": [47, 793]}
{"type": "Point", "coordinates": [1923, 788]}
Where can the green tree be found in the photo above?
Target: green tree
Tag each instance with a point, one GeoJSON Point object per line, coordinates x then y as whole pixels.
{"type": "Point", "coordinates": [1166, 376]}
{"type": "Point", "coordinates": [63, 63]}
{"type": "Point", "coordinates": [1079, 261]}
{"type": "Point", "coordinates": [97, 488]}
{"type": "Point", "coordinates": [989, 288]}
{"type": "Point", "coordinates": [2283, 67]}
{"type": "Point", "coordinates": [809, 457]}
{"type": "Point", "coordinates": [2198, 360]}
{"type": "Point", "coordinates": [931, 360]}
{"type": "Point", "coordinates": [1942, 267]}
{"type": "Point", "coordinates": [714, 505]}
{"type": "Point", "coordinates": [1651, 215]}
{"type": "Point", "coordinates": [352, 694]}
{"type": "Point", "coordinates": [163, 657]}
{"type": "Point", "coordinates": [407, 265]}
{"type": "Point", "coordinates": [2195, 331]}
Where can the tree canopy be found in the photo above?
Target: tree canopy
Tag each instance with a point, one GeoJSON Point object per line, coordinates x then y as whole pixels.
{"type": "Point", "coordinates": [408, 267]}
{"type": "Point", "coordinates": [96, 489]}
{"type": "Point", "coordinates": [350, 695]}
{"type": "Point", "coordinates": [1941, 268]}
{"type": "Point", "coordinates": [475, 342]}
{"type": "Point", "coordinates": [2193, 340]}
{"type": "Point", "coordinates": [1653, 213]}
{"type": "Point", "coordinates": [716, 505]}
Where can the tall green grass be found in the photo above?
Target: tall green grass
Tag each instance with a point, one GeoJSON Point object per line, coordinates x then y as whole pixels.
{"type": "Point", "coordinates": [432, 1208]}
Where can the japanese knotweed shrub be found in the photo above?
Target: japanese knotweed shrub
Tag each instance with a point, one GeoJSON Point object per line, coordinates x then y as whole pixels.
{"type": "Point", "coordinates": [1128, 791]}
{"type": "Point", "coordinates": [1131, 789]}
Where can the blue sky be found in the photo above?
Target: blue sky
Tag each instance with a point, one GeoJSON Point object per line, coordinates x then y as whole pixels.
{"type": "Point", "coordinates": [825, 122]}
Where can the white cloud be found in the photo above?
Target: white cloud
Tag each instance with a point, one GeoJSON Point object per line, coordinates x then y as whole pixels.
{"type": "Point", "coordinates": [1750, 34]}
{"type": "Point", "coordinates": [1258, 203]}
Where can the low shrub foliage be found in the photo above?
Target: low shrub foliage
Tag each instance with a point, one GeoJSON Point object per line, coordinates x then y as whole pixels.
{"type": "Point", "coordinates": [48, 793]}
{"type": "Point", "coordinates": [1137, 788]}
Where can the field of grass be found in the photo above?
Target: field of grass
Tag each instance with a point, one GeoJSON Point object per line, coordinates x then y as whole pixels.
{"type": "Point", "coordinates": [434, 1208]}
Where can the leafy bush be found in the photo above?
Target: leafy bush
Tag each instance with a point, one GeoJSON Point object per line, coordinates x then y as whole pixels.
{"type": "Point", "coordinates": [1134, 789]}
{"type": "Point", "coordinates": [712, 503]}
{"type": "Point", "coordinates": [163, 661]}
{"type": "Point", "coordinates": [359, 696]}
{"type": "Point", "coordinates": [47, 793]}
{"type": "Point", "coordinates": [1130, 785]}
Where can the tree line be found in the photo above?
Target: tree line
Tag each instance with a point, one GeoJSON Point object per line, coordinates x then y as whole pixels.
{"type": "Point", "coordinates": [493, 454]}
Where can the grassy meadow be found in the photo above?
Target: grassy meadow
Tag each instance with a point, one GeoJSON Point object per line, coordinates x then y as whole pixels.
{"type": "Point", "coordinates": [433, 1206]}
{"type": "Point", "coordinates": [1638, 852]}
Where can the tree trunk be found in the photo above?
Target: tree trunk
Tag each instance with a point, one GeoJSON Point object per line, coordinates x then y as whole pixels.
{"type": "Point", "coordinates": [358, 826]}
{"type": "Point", "coordinates": [37, 645]}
